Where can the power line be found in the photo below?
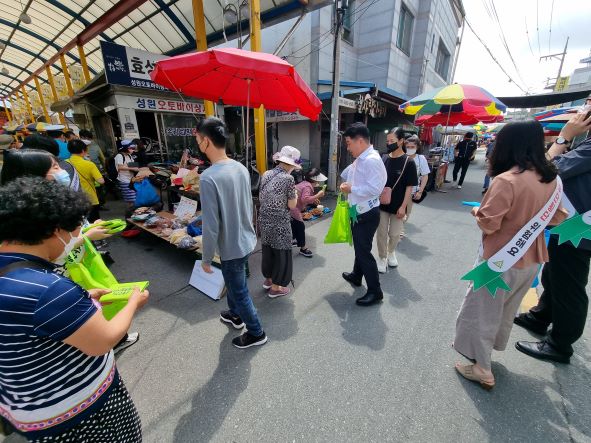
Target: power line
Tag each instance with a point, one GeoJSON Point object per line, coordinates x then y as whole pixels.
{"type": "Point", "coordinates": [550, 34]}
{"type": "Point", "coordinates": [504, 41]}
{"type": "Point", "coordinates": [528, 40]}
{"type": "Point", "coordinates": [493, 57]}
{"type": "Point", "coordinates": [362, 9]}
{"type": "Point", "coordinates": [361, 12]}
{"type": "Point", "coordinates": [538, 25]}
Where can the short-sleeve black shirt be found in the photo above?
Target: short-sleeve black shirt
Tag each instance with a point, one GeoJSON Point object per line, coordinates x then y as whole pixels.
{"type": "Point", "coordinates": [394, 168]}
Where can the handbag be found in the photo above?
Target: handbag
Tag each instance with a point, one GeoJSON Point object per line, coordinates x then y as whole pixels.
{"type": "Point", "coordinates": [386, 195]}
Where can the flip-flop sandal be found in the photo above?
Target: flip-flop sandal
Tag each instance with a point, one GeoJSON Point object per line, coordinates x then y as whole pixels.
{"type": "Point", "coordinates": [467, 371]}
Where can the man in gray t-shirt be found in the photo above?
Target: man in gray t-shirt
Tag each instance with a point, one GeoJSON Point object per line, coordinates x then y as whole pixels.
{"type": "Point", "coordinates": [226, 207]}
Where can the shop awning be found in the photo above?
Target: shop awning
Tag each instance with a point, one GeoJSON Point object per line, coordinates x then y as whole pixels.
{"type": "Point", "coordinates": [541, 100]}
{"type": "Point", "coordinates": [353, 87]}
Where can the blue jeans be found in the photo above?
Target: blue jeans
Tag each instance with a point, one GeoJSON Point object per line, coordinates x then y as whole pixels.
{"type": "Point", "coordinates": [486, 181]}
{"type": "Point", "coordinates": [239, 301]}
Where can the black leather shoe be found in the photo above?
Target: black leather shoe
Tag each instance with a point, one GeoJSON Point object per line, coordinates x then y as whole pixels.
{"type": "Point", "coordinates": [370, 299]}
{"type": "Point", "coordinates": [351, 279]}
{"type": "Point", "coordinates": [528, 321]}
{"type": "Point", "coordinates": [542, 350]}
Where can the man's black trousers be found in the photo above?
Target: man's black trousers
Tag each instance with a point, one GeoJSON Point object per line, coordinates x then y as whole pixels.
{"type": "Point", "coordinates": [365, 263]}
{"type": "Point", "coordinates": [564, 301]}
{"type": "Point", "coordinates": [461, 163]}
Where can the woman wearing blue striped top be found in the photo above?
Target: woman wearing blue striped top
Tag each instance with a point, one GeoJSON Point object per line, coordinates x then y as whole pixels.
{"type": "Point", "coordinates": [58, 379]}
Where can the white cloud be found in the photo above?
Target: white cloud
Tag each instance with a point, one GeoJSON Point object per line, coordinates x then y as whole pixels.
{"type": "Point", "coordinates": [475, 66]}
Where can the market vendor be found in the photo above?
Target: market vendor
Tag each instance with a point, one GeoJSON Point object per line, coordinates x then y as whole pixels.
{"type": "Point", "coordinates": [306, 196]}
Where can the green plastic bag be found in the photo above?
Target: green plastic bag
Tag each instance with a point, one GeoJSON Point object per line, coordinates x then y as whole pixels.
{"type": "Point", "coordinates": [91, 272]}
{"type": "Point", "coordinates": [340, 226]}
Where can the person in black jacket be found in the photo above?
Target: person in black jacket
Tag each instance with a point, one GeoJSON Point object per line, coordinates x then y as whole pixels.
{"type": "Point", "coordinates": [463, 155]}
{"type": "Point", "coordinates": [564, 302]}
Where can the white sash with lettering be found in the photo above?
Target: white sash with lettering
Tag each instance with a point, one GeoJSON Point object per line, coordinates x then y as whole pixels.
{"type": "Point", "coordinates": [489, 272]}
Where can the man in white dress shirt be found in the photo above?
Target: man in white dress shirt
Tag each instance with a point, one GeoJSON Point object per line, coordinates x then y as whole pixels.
{"type": "Point", "coordinates": [364, 179]}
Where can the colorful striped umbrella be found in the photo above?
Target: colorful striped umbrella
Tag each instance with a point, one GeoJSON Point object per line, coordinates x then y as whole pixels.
{"type": "Point", "coordinates": [37, 127]}
{"type": "Point", "coordinates": [468, 99]}
{"type": "Point", "coordinates": [554, 112]}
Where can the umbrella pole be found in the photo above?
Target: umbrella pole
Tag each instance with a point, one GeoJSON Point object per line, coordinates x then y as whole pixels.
{"type": "Point", "coordinates": [246, 159]}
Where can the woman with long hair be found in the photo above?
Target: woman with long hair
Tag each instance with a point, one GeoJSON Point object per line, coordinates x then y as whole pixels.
{"type": "Point", "coordinates": [524, 183]}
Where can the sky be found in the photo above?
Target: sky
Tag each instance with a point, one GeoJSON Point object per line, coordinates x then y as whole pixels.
{"type": "Point", "coordinates": [571, 18]}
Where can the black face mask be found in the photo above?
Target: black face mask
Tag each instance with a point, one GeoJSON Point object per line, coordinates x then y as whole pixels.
{"type": "Point", "coordinates": [392, 147]}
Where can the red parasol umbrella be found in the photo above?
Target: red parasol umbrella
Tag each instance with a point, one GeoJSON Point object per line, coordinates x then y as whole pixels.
{"type": "Point", "coordinates": [239, 78]}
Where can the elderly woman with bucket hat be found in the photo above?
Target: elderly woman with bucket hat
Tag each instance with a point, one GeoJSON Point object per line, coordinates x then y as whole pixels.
{"type": "Point", "coordinates": [278, 196]}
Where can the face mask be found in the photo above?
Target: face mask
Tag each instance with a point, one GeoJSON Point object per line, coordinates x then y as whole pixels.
{"type": "Point", "coordinates": [62, 177]}
{"type": "Point", "coordinates": [392, 147]}
{"type": "Point", "coordinates": [87, 142]}
{"type": "Point", "coordinates": [411, 151]}
{"type": "Point", "coordinates": [61, 260]}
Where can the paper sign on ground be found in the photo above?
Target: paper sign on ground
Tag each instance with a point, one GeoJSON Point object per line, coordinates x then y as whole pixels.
{"type": "Point", "coordinates": [211, 285]}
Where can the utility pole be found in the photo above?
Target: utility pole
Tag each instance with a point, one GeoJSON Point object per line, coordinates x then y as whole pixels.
{"type": "Point", "coordinates": [336, 88]}
{"type": "Point", "coordinates": [560, 56]}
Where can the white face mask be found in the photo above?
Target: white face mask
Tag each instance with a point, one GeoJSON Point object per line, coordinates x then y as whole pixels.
{"type": "Point", "coordinates": [62, 177]}
{"type": "Point", "coordinates": [68, 247]}
{"type": "Point", "coordinates": [86, 142]}
{"type": "Point", "coordinates": [411, 151]}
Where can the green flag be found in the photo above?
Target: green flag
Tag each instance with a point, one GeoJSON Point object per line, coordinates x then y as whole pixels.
{"type": "Point", "coordinates": [573, 229]}
{"type": "Point", "coordinates": [483, 275]}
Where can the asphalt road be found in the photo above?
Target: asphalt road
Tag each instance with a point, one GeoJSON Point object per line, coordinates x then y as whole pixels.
{"type": "Point", "coordinates": [333, 371]}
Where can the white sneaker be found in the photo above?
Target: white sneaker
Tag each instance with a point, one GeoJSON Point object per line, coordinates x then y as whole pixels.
{"type": "Point", "coordinates": [132, 338]}
{"type": "Point", "coordinates": [459, 186]}
{"type": "Point", "coordinates": [392, 260]}
{"type": "Point", "coordinates": [382, 265]}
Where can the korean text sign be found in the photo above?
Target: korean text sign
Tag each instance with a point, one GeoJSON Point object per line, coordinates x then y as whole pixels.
{"type": "Point", "coordinates": [130, 67]}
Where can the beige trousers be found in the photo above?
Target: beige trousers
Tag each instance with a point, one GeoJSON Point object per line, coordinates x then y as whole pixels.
{"type": "Point", "coordinates": [409, 208]}
{"type": "Point", "coordinates": [388, 234]}
{"type": "Point", "coordinates": [484, 322]}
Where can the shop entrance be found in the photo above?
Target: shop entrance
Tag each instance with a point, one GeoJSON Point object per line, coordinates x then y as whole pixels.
{"type": "Point", "coordinates": [167, 135]}
{"type": "Point", "coordinates": [148, 130]}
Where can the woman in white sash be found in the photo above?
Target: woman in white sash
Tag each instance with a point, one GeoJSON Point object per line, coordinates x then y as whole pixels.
{"type": "Point", "coordinates": [525, 183]}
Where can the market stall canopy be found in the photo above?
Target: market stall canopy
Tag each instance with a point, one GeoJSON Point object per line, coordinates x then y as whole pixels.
{"type": "Point", "coordinates": [541, 100]}
{"type": "Point", "coordinates": [454, 98]}
{"type": "Point", "coordinates": [240, 78]}
{"type": "Point", "coordinates": [158, 26]}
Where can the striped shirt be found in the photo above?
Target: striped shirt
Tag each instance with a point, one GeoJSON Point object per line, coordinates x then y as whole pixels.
{"type": "Point", "coordinates": [46, 386]}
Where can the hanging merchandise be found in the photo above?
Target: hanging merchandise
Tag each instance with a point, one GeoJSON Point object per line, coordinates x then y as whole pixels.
{"type": "Point", "coordinates": [77, 77]}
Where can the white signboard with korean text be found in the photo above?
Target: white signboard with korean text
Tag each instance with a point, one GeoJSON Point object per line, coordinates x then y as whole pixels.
{"type": "Point", "coordinates": [279, 116]}
{"type": "Point", "coordinates": [160, 104]}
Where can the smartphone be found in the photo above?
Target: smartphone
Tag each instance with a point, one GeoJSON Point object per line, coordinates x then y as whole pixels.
{"type": "Point", "coordinates": [586, 110]}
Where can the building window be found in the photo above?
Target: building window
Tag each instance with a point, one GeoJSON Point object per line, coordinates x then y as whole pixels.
{"type": "Point", "coordinates": [348, 22]}
{"type": "Point", "coordinates": [442, 62]}
{"type": "Point", "coordinates": [405, 25]}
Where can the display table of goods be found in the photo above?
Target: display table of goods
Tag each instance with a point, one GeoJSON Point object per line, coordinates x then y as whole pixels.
{"type": "Point", "coordinates": [184, 233]}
